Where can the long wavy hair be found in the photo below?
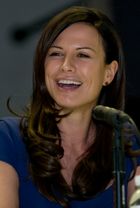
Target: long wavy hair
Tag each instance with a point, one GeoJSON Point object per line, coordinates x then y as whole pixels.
{"type": "Point", "coordinates": [39, 125]}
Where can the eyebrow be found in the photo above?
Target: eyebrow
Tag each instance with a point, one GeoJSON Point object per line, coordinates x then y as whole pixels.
{"type": "Point", "coordinates": [79, 48]}
{"type": "Point", "coordinates": [85, 47]}
{"type": "Point", "coordinates": [53, 46]}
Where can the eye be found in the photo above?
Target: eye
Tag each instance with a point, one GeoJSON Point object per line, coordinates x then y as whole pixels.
{"type": "Point", "coordinates": [55, 53]}
{"type": "Point", "coordinates": [83, 55]}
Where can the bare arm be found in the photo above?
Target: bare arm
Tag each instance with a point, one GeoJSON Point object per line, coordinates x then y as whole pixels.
{"type": "Point", "coordinates": [8, 186]}
{"type": "Point", "coordinates": [131, 185]}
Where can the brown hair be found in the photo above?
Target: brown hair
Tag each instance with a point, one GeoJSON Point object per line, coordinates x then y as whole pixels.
{"type": "Point", "coordinates": [94, 171]}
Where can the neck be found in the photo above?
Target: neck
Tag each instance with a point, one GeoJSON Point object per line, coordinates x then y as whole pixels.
{"type": "Point", "coordinates": [77, 133]}
{"type": "Point", "coordinates": [77, 130]}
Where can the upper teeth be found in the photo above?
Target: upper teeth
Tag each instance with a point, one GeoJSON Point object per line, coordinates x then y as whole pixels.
{"type": "Point", "coordinates": [69, 82]}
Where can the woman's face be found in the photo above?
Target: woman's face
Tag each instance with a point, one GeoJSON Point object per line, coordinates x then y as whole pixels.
{"type": "Point", "coordinates": [75, 68]}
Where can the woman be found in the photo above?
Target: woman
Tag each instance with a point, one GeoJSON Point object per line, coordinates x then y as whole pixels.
{"type": "Point", "coordinates": [58, 155]}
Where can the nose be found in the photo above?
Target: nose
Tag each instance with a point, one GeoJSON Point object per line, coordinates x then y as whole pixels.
{"type": "Point", "coordinates": [67, 64]}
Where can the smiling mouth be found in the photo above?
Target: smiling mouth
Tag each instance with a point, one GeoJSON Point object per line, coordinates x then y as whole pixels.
{"type": "Point", "coordinates": [69, 84]}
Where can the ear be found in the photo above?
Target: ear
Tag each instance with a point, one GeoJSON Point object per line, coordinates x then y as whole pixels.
{"type": "Point", "coordinates": [110, 72]}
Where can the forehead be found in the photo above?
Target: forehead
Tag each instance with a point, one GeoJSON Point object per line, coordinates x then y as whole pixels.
{"type": "Point", "coordinates": [80, 31]}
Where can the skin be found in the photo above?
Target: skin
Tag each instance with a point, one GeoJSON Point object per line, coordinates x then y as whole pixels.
{"type": "Point", "coordinates": [9, 185]}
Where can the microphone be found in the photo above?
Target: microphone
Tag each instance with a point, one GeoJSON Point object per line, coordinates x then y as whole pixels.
{"type": "Point", "coordinates": [111, 116]}
{"type": "Point", "coordinates": [117, 119]}
{"type": "Point", "coordinates": [124, 128]}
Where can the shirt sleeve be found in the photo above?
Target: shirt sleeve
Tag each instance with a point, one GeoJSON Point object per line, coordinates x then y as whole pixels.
{"type": "Point", "coordinates": [136, 146]}
{"type": "Point", "coordinates": [8, 138]}
{"type": "Point", "coordinates": [129, 161]}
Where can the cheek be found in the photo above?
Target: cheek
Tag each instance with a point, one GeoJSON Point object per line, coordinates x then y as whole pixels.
{"type": "Point", "coordinates": [49, 71]}
{"type": "Point", "coordinates": [96, 80]}
{"type": "Point", "coordinates": [95, 74]}
{"type": "Point", "coordinates": [51, 68]}
{"type": "Point", "coordinates": [48, 75]}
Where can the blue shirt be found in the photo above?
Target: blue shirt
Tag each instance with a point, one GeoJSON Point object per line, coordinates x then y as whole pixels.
{"type": "Point", "coordinates": [13, 151]}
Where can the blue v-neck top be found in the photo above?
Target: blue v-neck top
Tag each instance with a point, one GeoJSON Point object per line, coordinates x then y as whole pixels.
{"type": "Point", "coordinates": [13, 152]}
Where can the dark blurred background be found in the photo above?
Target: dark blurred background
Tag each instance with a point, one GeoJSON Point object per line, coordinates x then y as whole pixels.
{"type": "Point", "coordinates": [21, 23]}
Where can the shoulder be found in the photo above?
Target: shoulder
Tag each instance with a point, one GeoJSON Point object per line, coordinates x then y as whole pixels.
{"type": "Point", "coordinates": [12, 147]}
{"type": "Point", "coordinates": [9, 124]}
{"type": "Point", "coordinates": [10, 131]}
{"type": "Point", "coordinates": [130, 161]}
